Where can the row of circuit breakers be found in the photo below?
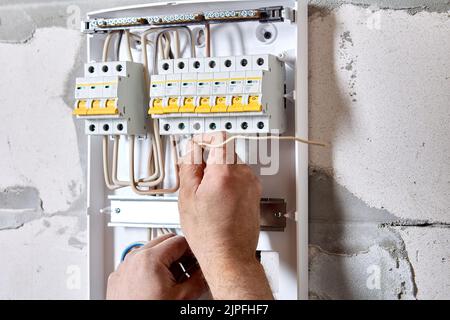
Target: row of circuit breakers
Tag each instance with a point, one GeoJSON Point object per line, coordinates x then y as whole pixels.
{"type": "Point", "coordinates": [240, 94]}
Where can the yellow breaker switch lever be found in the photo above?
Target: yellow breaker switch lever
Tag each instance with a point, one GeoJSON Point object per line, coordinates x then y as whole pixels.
{"type": "Point", "coordinates": [237, 105]}
{"type": "Point", "coordinates": [188, 105]}
{"type": "Point", "coordinates": [97, 109]}
{"type": "Point", "coordinates": [81, 108]}
{"type": "Point", "coordinates": [254, 104]}
{"type": "Point", "coordinates": [221, 105]}
{"type": "Point", "coordinates": [204, 106]}
{"type": "Point", "coordinates": [156, 106]}
{"type": "Point", "coordinates": [172, 106]}
{"type": "Point", "coordinates": [111, 106]}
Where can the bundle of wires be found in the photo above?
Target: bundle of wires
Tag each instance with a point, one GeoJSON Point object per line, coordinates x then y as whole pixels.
{"type": "Point", "coordinates": [165, 44]}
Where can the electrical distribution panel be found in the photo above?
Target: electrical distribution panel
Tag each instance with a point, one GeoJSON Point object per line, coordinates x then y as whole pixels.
{"type": "Point", "coordinates": [111, 98]}
{"type": "Point", "coordinates": [216, 66]}
{"type": "Point", "coordinates": [237, 94]}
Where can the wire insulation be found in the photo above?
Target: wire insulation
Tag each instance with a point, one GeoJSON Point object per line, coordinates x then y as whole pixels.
{"type": "Point", "coordinates": [119, 42]}
{"type": "Point", "coordinates": [106, 176]}
{"type": "Point", "coordinates": [128, 42]}
{"type": "Point", "coordinates": [163, 48]}
{"type": "Point", "coordinates": [134, 186]}
{"type": "Point", "coordinates": [207, 40]}
{"type": "Point", "coordinates": [106, 45]}
{"type": "Point", "coordinates": [219, 145]}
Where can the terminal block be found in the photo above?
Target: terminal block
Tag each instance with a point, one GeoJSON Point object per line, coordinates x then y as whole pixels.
{"type": "Point", "coordinates": [238, 94]}
{"type": "Point", "coordinates": [111, 98]}
{"type": "Point", "coordinates": [264, 15]}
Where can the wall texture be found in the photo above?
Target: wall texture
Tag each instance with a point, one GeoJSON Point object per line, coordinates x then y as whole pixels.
{"type": "Point", "coordinates": [379, 195]}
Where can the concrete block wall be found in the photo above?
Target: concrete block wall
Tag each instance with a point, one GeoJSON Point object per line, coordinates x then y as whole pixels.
{"type": "Point", "coordinates": [379, 195]}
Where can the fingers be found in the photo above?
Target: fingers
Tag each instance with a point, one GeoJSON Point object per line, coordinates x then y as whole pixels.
{"type": "Point", "coordinates": [157, 241]}
{"type": "Point", "coordinates": [194, 154]}
{"type": "Point", "coordinates": [192, 166]}
{"type": "Point", "coordinates": [171, 250]}
{"type": "Point", "coordinates": [149, 244]}
{"type": "Point", "coordinates": [220, 154]}
{"type": "Point", "coordinates": [194, 287]}
{"type": "Point", "coordinates": [191, 170]}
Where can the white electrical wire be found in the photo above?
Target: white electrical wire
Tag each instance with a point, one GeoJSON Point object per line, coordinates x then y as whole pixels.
{"type": "Point", "coordinates": [119, 43]}
{"type": "Point", "coordinates": [153, 169]}
{"type": "Point", "coordinates": [163, 39]}
{"type": "Point", "coordinates": [115, 184]}
{"type": "Point", "coordinates": [144, 42]}
{"type": "Point", "coordinates": [133, 184]}
{"type": "Point", "coordinates": [118, 182]}
{"type": "Point", "coordinates": [177, 44]}
{"type": "Point", "coordinates": [163, 45]}
{"type": "Point", "coordinates": [106, 176]}
{"type": "Point", "coordinates": [157, 153]}
{"type": "Point", "coordinates": [155, 177]}
{"type": "Point", "coordinates": [221, 144]}
{"type": "Point", "coordinates": [110, 185]}
{"type": "Point", "coordinates": [154, 180]}
{"type": "Point", "coordinates": [106, 45]}
{"type": "Point", "coordinates": [158, 43]}
{"type": "Point", "coordinates": [161, 33]}
{"type": "Point", "coordinates": [114, 164]}
{"type": "Point", "coordinates": [128, 42]}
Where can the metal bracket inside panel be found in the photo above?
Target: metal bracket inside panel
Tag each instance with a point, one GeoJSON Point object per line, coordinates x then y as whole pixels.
{"type": "Point", "coordinates": [163, 213]}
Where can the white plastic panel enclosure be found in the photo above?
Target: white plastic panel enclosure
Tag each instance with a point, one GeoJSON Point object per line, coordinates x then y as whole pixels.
{"type": "Point", "coordinates": [283, 177]}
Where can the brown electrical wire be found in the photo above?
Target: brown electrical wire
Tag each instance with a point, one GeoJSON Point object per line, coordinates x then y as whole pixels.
{"type": "Point", "coordinates": [207, 40]}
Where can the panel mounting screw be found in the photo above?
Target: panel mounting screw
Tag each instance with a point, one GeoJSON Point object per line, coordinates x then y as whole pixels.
{"type": "Point", "coordinates": [117, 210]}
{"type": "Point", "coordinates": [278, 214]}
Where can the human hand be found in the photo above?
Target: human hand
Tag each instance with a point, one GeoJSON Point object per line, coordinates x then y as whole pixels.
{"type": "Point", "coordinates": [145, 274]}
{"type": "Point", "coordinates": [219, 211]}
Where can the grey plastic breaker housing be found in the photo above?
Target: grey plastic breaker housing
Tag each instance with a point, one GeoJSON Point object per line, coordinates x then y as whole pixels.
{"type": "Point", "coordinates": [112, 99]}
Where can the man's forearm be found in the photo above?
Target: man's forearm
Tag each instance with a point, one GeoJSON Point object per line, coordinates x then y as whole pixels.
{"type": "Point", "coordinates": [232, 280]}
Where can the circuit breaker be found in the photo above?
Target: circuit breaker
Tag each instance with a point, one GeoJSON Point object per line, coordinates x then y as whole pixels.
{"type": "Point", "coordinates": [237, 94]}
{"type": "Point", "coordinates": [160, 73]}
{"type": "Point", "coordinates": [111, 98]}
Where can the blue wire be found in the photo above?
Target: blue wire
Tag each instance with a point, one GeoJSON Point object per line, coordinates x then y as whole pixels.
{"type": "Point", "coordinates": [129, 248]}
